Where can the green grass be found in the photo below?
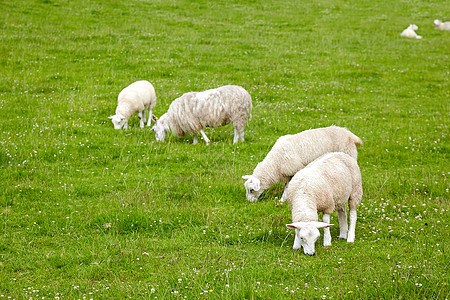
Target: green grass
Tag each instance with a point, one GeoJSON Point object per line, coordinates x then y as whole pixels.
{"type": "Point", "coordinates": [90, 212]}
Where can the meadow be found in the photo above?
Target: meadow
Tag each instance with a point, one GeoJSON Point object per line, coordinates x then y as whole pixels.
{"type": "Point", "coordinates": [89, 212]}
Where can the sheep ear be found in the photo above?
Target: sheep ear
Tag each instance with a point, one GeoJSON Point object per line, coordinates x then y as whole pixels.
{"type": "Point", "coordinates": [110, 117]}
{"type": "Point", "coordinates": [296, 225]}
{"type": "Point", "coordinates": [322, 225]}
{"type": "Point", "coordinates": [246, 177]}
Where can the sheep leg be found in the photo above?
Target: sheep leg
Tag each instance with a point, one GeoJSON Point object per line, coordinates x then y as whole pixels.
{"type": "Point", "coordinates": [351, 231]}
{"type": "Point", "coordinates": [283, 197]}
{"type": "Point", "coordinates": [241, 136]}
{"type": "Point", "coordinates": [236, 136]}
{"type": "Point", "coordinates": [125, 125]}
{"type": "Point", "coordinates": [326, 231]}
{"type": "Point", "coordinates": [195, 139]}
{"type": "Point", "coordinates": [343, 227]}
{"type": "Point", "coordinates": [141, 122]}
{"type": "Point", "coordinates": [149, 117]}
{"type": "Point", "coordinates": [204, 136]}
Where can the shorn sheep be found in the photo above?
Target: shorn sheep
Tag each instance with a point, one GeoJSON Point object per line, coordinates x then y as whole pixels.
{"type": "Point", "coordinates": [442, 25]}
{"type": "Point", "coordinates": [410, 32]}
{"type": "Point", "coordinates": [291, 153]}
{"type": "Point", "coordinates": [137, 97]}
{"type": "Point", "coordinates": [193, 111]}
{"type": "Point", "coordinates": [325, 185]}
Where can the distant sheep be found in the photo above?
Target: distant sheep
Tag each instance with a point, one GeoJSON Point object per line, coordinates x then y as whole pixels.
{"type": "Point", "coordinates": [193, 111]}
{"type": "Point", "coordinates": [291, 153]}
{"type": "Point", "coordinates": [410, 32]}
{"type": "Point", "coordinates": [137, 97]}
{"type": "Point", "coordinates": [325, 185]}
{"type": "Point", "coordinates": [442, 25]}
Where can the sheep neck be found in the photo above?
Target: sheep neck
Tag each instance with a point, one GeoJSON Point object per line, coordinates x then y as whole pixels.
{"type": "Point", "coordinates": [303, 208]}
{"type": "Point", "coordinates": [268, 174]}
{"type": "Point", "coordinates": [165, 121]}
{"type": "Point", "coordinates": [123, 110]}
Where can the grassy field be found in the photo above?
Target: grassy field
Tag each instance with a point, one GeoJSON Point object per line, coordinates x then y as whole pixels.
{"type": "Point", "coordinates": [90, 212]}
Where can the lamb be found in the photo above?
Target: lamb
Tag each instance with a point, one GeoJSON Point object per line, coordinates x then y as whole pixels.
{"type": "Point", "coordinates": [137, 97]}
{"type": "Point", "coordinates": [292, 153]}
{"type": "Point", "coordinates": [325, 185]}
{"type": "Point", "coordinates": [442, 25]}
{"type": "Point", "coordinates": [410, 32]}
{"type": "Point", "coordinates": [193, 111]}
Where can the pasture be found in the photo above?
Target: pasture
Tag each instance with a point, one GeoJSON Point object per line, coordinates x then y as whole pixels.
{"type": "Point", "coordinates": [89, 212]}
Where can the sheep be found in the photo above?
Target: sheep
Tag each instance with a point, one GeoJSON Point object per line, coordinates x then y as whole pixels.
{"type": "Point", "coordinates": [137, 97]}
{"type": "Point", "coordinates": [193, 111]}
{"type": "Point", "coordinates": [410, 32]}
{"type": "Point", "coordinates": [442, 25]}
{"type": "Point", "coordinates": [325, 185]}
{"type": "Point", "coordinates": [291, 153]}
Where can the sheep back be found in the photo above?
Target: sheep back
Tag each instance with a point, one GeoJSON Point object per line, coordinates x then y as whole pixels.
{"type": "Point", "coordinates": [330, 182]}
{"type": "Point", "coordinates": [193, 111]}
{"type": "Point", "coordinates": [291, 153]}
{"type": "Point", "coordinates": [135, 98]}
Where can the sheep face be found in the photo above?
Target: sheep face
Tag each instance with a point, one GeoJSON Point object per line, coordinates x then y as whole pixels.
{"type": "Point", "coordinates": [160, 130]}
{"type": "Point", "coordinates": [252, 188]}
{"type": "Point", "coordinates": [118, 121]}
{"type": "Point", "coordinates": [306, 235]}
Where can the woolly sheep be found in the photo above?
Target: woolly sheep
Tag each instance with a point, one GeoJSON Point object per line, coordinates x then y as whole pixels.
{"type": "Point", "coordinates": [291, 153]}
{"type": "Point", "coordinates": [137, 97]}
{"type": "Point", "coordinates": [410, 32]}
{"type": "Point", "coordinates": [193, 111]}
{"type": "Point", "coordinates": [442, 25]}
{"type": "Point", "coordinates": [325, 185]}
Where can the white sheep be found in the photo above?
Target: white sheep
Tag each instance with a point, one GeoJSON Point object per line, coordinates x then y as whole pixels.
{"type": "Point", "coordinates": [193, 111]}
{"type": "Point", "coordinates": [137, 97]}
{"type": "Point", "coordinates": [442, 25]}
{"type": "Point", "coordinates": [410, 32]}
{"type": "Point", "coordinates": [291, 153]}
{"type": "Point", "coordinates": [325, 185]}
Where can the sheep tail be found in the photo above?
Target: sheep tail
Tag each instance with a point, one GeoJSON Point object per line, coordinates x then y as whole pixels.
{"type": "Point", "coordinates": [358, 142]}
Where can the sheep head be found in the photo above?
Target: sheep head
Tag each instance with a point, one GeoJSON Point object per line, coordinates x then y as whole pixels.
{"type": "Point", "coordinates": [118, 120]}
{"type": "Point", "coordinates": [160, 128]}
{"type": "Point", "coordinates": [252, 187]}
{"type": "Point", "coordinates": [306, 235]}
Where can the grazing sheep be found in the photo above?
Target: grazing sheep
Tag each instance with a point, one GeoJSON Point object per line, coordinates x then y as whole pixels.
{"type": "Point", "coordinates": [193, 111]}
{"type": "Point", "coordinates": [410, 32]}
{"type": "Point", "coordinates": [292, 153]}
{"type": "Point", "coordinates": [442, 25]}
{"type": "Point", "coordinates": [137, 97]}
{"type": "Point", "coordinates": [325, 185]}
